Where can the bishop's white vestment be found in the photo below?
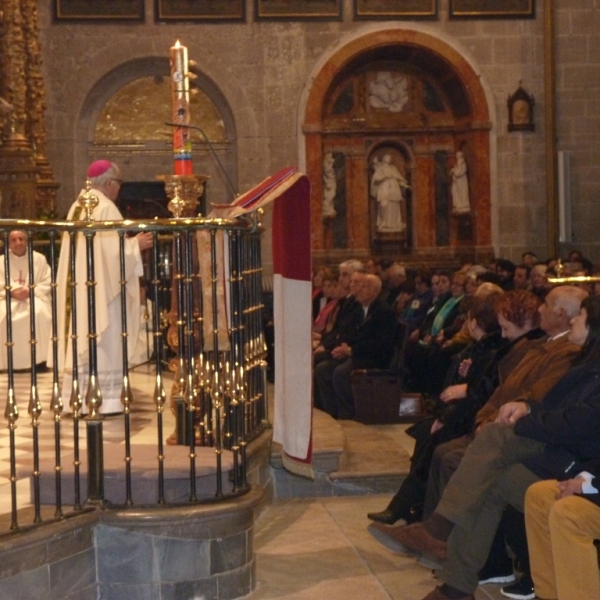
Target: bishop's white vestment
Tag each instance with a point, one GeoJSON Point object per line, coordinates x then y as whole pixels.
{"type": "Point", "coordinates": [20, 313]}
{"type": "Point", "coordinates": [108, 307]}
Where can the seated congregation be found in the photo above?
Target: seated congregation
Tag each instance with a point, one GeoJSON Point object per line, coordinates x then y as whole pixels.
{"type": "Point", "coordinates": [502, 478]}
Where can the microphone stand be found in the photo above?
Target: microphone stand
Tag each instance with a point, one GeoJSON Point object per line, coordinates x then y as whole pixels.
{"type": "Point", "coordinates": [213, 151]}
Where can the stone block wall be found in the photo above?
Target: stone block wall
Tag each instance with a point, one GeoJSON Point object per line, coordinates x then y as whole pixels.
{"type": "Point", "coordinates": [172, 553]}
{"type": "Point", "coordinates": [578, 112]}
{"type": "Point", "coordinates": [264, 70]}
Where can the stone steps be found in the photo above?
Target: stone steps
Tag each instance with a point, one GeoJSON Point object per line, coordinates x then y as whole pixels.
{"type": "Point", "coordinates": [144, 472]}
{"type": "Point", "coordinates": [349, 458]}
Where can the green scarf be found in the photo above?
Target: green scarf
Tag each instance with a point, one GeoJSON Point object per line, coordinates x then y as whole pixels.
{"type": "Point", "coordinates": [438, 322]}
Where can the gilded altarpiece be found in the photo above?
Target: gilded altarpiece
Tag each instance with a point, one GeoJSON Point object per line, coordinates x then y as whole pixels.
{"type": "Point", "coordinates": [415, 153]}
{"type": "Point", "coordinates": [27, 185]}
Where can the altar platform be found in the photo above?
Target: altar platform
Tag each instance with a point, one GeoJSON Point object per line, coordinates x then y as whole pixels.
{"type": "Point", "coordinates": [311, 540]}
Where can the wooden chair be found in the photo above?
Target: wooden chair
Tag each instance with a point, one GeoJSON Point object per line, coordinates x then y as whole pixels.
{"type": "Point", "coordinates": [378, 397]}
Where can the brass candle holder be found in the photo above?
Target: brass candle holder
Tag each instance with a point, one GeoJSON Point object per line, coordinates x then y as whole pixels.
{"type": "Point", "coordinates": [183, 191]}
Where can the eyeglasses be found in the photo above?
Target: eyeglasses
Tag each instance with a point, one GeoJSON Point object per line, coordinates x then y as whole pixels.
{"type": "Point", "coordinates": [119, 181]}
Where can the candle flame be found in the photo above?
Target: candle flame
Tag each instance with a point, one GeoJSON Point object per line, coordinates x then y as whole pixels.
{"type": "Point", "coordinates": [177, 44]}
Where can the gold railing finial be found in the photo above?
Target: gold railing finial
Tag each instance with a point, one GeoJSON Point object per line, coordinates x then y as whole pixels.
{"type": "Point", "coordinates": [560, 268]}
{"type": "Point", "coordinates": [88, 201]}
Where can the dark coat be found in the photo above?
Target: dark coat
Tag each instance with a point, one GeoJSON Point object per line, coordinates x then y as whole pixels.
{"type": "Point", "coordinates": [568, 422]}
{"type": "Point", "coordinates": [416, 312]}
{"type": "Point", "coordinates": [373, 338]}
{"type": "Point", "coordinates": [493, 359]}
{"type": "Point", "coordinates": [425, 327]}
{"type": "Point", "coordinates": [316, 303]}
{"type": "Point", "coordinates": [592, 467]}
{"type": "Point", "coordinates": [459, 416]}
{"type": "Point", "coordinates": [481, 380]}
{"type": "Point", "coordinates": [349, 317]}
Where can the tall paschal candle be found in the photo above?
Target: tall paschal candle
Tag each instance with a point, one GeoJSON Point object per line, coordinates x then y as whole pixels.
{"type": "Point", "coordinates": [180, 102]}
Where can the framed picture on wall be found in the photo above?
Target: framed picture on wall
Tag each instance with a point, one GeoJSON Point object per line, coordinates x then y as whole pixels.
{"type": "Point", "coordinates": [520, 9]}
{"type": "Point", "coordinates": [200, 10]}
{"type": "Point", "coordinates": [395, 9]}
{"type": "Point", "coordinates": [298, 9]}
{"type": "Point", "coordinates": [108, 10]}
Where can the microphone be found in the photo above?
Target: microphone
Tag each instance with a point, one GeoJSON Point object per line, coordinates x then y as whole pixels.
{"type": "Point", "coordinates": [213, 151]}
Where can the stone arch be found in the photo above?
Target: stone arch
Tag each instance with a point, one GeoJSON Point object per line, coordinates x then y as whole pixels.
{"type": "Point", "coordinates": [461, 80]}
{"type": "Point", "coordinates": [156, 159]}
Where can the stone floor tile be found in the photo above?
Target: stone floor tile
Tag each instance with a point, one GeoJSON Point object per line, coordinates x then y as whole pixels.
{"type": "Point", "coordinates": [320, 549]}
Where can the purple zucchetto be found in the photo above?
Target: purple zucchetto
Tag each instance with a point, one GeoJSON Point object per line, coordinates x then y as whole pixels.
{"type": "Point", "coordinates": [98, 167]}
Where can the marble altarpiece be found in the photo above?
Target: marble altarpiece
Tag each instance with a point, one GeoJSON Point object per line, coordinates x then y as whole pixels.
{"type": "Point", "coordinates": [411, 113]}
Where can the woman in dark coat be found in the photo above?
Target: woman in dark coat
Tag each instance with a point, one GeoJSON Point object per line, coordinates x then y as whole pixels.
{"type": "Point", "coordinates": [473, 378]}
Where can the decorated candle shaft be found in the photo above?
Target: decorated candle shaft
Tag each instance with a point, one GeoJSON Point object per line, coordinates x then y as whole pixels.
{"type": "Point", "coordinates": [180, 102]}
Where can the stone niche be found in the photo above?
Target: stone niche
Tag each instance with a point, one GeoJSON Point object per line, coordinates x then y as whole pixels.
{"type": "Point", "coordinates": [390, 117]}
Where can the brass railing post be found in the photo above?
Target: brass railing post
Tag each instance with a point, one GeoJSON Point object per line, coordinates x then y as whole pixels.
{"type": "Point", "coordinates": [219, 373]}
{"type": "Point", "coordinates": [75, 400]}
{"type": "Point", "coordinates": [11, 412]}
{"type": "Point", "coordinates": [35, 408]}
{"type": "Point", "coordinates": [159, 388]}
{"type": "Point", "coordinates": [93, 397]}
{"type": "Point", "coordinates": [126, 394]}
{"type": "Point", "coordinates": [56, 402]}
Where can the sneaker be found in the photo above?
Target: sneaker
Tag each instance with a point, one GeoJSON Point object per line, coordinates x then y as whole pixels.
{"type": "Point", "coordinates": [508, 578]}
{"type": "Point", "coordinates": [497, 569]}
{"type": "Point", "coordinates": [520, 590]}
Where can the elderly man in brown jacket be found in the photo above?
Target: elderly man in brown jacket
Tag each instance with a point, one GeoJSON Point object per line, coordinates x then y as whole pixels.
{"type": "Point", "coordinates": [545, 362]}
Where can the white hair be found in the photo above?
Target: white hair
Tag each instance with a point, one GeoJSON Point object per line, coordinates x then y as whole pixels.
{"type": "Point", "coordinates": [569, 298]}
{"type": "Point", "coordinates": [352, 265]}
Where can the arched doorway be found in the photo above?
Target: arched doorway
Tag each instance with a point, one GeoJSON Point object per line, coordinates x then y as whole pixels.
{"type": "Point", "coordinates": [123, 119]}
{"type": "Point", "coordinates": [409, 102]}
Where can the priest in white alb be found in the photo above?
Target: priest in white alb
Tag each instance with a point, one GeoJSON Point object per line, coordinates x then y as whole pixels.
{"type": "Point", "coordinates": [18, 259]}
{"type": "Point", "coordinates": [106, 182]}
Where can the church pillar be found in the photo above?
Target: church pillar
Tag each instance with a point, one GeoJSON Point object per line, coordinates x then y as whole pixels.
{"type": "Point", "coordinates": [314, 170]}
{"type": "Point", "coordinates": [424, 201]}
{"type": "Point", "coordinates": [357, 200]}
{"type": "Point", "coordinates": [480, 191]}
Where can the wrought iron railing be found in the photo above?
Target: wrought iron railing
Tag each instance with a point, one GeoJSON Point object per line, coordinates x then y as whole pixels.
{"type": "Point", "coordinates": [208, 307]}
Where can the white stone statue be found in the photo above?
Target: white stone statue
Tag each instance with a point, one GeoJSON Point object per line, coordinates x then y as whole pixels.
{"type": "Point", "coordinates": [388, 91]}
{"type": "Point", "coordinates": [329, 187]}
{"type": "Point", "coordinates": [460, 186]}
{"type": "Point", "coordinates": [386, 187]}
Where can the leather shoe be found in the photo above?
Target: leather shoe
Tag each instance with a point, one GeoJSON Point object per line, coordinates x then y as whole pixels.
{"type": "Point", "coordinates": [418, 539]}
{"type": "Point", "coordinates": [385, 516]}
{"type": "Point", "coordinates": [381, 533]}
{"type": "Point", "coordinates": [437, 594]}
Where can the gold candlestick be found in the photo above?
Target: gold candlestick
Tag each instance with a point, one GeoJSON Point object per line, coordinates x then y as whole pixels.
{"type": "Point", "coordinates": [184, 191]}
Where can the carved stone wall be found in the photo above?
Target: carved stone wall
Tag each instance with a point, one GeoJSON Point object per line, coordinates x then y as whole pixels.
{"type": "Point", "coordinates": [408, 97]}
{"type": "Point", "coordinates": [265, 71]}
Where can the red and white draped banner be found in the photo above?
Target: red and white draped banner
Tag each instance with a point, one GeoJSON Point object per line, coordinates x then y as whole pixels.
{"type": "Point", "coordinates": [292, 293]}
